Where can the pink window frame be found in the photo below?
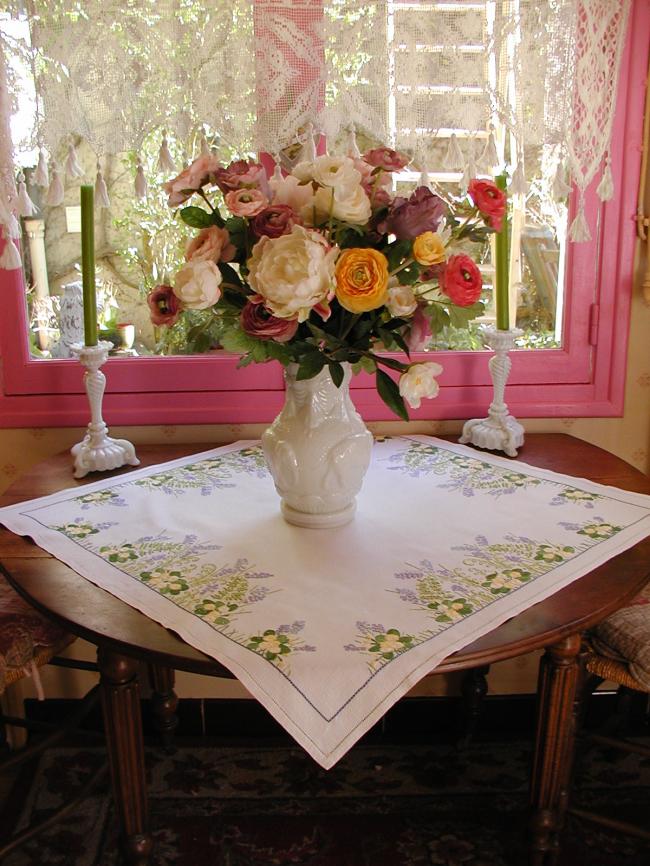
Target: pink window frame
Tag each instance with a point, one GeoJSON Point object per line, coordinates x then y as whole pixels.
{"type": "Point", "coordinates": [579, 380]}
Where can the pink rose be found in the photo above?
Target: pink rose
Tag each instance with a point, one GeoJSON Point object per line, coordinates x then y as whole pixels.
{"type": "Point", "coordinates": [409, 217]}
{"type": "Point", "coordinates": [419, 333]}
{"type": "Point", "coordinates": [245, 202]}
{"type": "Point", "coordinates": [490, 200]}
{"type": "Point", "coordinates": [376, 186]}
{"type": "Point", "coordinates": [461, 281]}
{"type": "Point", "coordinates": [195, 176]}
{"type": "Point", "coordinates": [241, 174]}
{"type": "Point", "coordinates": [275, 220]}
{"type": "Point", "coordinates": [384, 157]}
{"type": "Point", "coordinates": [164, 306]}
{"type": "Point", "coordinates": [259, 322]}
{"type": "Point", "coordinates": [211, 244]}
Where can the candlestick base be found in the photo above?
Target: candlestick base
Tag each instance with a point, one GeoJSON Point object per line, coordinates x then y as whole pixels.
{"type": "Point", "coordinates": [500, 431]}
{"type": "Point", "coordinates": [98, 452]}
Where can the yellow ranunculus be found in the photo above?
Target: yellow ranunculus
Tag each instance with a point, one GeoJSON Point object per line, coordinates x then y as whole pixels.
{"type": "Point", "coordinates": [429, 249]}
{"type": "Point", "coordinates": [361, 279]}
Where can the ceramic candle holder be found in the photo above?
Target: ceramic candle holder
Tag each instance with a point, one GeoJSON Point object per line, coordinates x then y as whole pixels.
{"type": "Point", "coordinates": [98, 452]}
{"type": "Point", "coordinates": [499, 431]}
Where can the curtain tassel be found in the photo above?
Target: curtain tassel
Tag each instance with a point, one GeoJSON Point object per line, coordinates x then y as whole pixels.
{"type": "Point", "coordinates": [165, 161]}
{"type": "Point", "coordinates": [605, 188]}
{"type": "Point", "coordinates": [489, 159]}
{"type": "Point", "coordinates": [518, 184]}
{"type": "Point", "coordinates": [579, 230]}
{"type": "Point", "coordinates": [101, 193]}
{"type": "Point", "coordinates": [140, 181]}
{"type": "Point", "coordinates": [560, 189]}
{"type": "Point", "coordinates": [463, 183]}
{"type": "Point", "coordinates": [55, 192]}
{"type": "Point", "coordinates": [26, 207]}
{"type": "Point", "coordinates": [454, 158]}
{"type": "Point", "coordinates": [41, 175]}
{"type": "Point", "coordinates": [277, 171]}
{"type": "Point", "coordinates": [471, 162]}
{"type": "Point", "coordinates": [72, 167]}
{"type": "Point", "coordinates": [353, 147]}
{"type": "Point", "coordinates": [10, 258]}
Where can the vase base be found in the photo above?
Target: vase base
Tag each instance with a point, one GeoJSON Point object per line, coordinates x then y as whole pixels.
{"type": "Point", "coordinates": [326, 520]}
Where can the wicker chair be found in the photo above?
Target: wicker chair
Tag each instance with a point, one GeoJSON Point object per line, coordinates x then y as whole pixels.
{"type": "Point", "coordinates": [27, 642]}
{"type": "Point", "coordinates": [618, 651]}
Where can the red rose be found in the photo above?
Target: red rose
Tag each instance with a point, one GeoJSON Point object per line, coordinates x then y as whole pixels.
{"type": "Point", "coordinates": [490, 200]}
{"type": "Point", "coordinates": [258, 322]}
{"type": "Point", "coordinates": [461, 281]}
{"type": "Point", "coordinates": [164, 306]}
{"type": "Point", "coordinates": [274, 221]}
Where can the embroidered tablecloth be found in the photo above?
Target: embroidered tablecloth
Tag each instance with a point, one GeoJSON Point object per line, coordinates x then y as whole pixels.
{"type": "Point", "coordinates": [328, 628]}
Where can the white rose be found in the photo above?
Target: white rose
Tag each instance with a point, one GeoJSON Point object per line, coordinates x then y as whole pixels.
{"type": "Point", "coordinates": [401, 301]}
{"type": "Point", "coordinates": [197, 285]}
{"type": "Point", "coordinates": [293, 273]}
{"type": "Point", "coordinates": [353, 208]}
{"type": "Point", "coordinates": [288, 190]}
{"type": "Point", "coordinates": [337, 173]}
{"type": "Point", "coordinates": [419, 381]}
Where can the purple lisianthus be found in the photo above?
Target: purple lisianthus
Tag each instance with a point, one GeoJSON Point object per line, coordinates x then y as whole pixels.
{"type": "Point", "coordinates": [409, 217]}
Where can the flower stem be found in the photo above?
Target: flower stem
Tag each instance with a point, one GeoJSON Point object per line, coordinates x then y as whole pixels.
{"type": "Point", "coordinates": [401, 267]}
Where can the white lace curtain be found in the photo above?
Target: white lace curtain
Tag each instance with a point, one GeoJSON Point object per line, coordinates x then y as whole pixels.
{"type": "Point", "coordinates": [466, 87]}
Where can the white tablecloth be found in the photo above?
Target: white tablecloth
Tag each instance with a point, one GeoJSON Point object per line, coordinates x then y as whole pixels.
{"type": "Point", "coordinates": [328, 628]}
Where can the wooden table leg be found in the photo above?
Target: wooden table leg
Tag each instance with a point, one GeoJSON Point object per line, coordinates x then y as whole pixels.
{"type": "Point", "coordinates": [164, 702]}
{"type": "Point", "coordinates": [554, 742]}
{"type": "Point", "coordinates": [474, 688]}
{"type": "Point", "coordinates": [123, 727]}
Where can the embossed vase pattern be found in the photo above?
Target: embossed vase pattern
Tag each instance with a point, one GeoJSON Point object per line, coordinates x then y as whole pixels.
{"type": "Point", "coordinates": [318, 450]}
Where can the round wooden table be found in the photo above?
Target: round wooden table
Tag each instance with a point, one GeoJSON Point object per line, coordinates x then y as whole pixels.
{"type": "Point", "coordinates": [123, 636]}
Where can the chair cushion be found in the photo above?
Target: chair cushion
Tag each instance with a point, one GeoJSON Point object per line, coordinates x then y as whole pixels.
{"type": "Point", "coordinates": [625, 636]}
{"type": "Point", "coordinates": [26, 636]}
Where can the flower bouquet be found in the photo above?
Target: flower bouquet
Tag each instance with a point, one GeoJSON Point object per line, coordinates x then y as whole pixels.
{"type": "Point", "coordinates": [326, 266]}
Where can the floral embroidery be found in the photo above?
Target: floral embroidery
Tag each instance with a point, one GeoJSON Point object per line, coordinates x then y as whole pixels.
{"type": "Point", "coordinates": [503, 581]}
{"type": "Point", "coordinates": [575, 496]}
{"type": "Point", "coordinates": [207, 475]}
{"type": "Point", "coordinates": [553, 552]}
{"type": "Point", "coordinates": [100, 497]}
{"type": "Point", "coordinates": [78, 529]}
{"type": "Point", "coordinates": [464, 474]}
{"type": "Point", "coordinates": [599, 531]}
{"type": "Point", "coordinates": [276, 644]}
{"type": "Point", "coordinates": [382, 645]}
{"type": "Point", "coordinates": [166, 582]}
{"type": "Point", "coordinates": [120, 553]}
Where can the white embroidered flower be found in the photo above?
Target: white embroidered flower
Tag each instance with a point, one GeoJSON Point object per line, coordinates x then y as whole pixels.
{"type": "Point", "coordinates": [293, 273]}
{"type": "Point", "coordinates": [197, 285]}
{"type": "Point", "coordinates": [401, 301]}
{"type": "Point", "coordinates": [419, 381]}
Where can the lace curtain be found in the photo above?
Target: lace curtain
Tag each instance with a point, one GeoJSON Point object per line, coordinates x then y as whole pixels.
{"type": "Point", "coordinates": [467, 88]}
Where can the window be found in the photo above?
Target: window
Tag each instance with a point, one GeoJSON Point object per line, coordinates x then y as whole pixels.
{"type": "Point", "coordinates": [583, 375]}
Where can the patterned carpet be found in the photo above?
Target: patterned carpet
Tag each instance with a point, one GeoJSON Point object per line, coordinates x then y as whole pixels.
{"type": "Point", "coordinates": [380, 806]}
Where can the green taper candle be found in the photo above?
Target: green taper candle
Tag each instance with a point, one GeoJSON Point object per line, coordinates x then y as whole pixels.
{"type": "Point", "coordinates": [88, 264]}
{"type": "Point", "coordinates": [502, 268]}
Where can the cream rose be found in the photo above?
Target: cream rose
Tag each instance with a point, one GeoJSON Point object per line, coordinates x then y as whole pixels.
{"type": "Point", "coordinates": [293, 273]}
{"type": "Point", "coordinates": [353, 208]}
{"type": "Point", "coordinates": [197, 285]}
{"type": "Point", "coordinates": [401, 301]}
{"type": "Point", "coordinates": [333, 172]}
{"type": "Point", "coordinates": [419, 381]}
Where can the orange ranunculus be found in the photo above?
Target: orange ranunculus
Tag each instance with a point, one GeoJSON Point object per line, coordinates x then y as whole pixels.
{"type": "Point", "coordinates": [429, 249]}
{"type": "Point", "coordinates": [361, 279]}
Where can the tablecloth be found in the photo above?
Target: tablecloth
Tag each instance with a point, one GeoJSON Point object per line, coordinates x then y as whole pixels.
{"type": "Point", "coordinates": [328, 628]}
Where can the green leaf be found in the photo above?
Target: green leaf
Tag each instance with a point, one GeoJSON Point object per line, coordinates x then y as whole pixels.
{"type": "Point", "coordinates": [389, 393]}
{"type": "Point", "coordinates": [310, 365]}
{"type": "Point", "coordinates": [461, 316]}
{"type": "Point", "coordinates": [321, 335]}
{"type": "Point", "coordinates": [392, 363]}
{"type": "Point", "coordinates": [396, 252]}
{"type": "Point", "coordinates": [229, 274]}
{"type": "Point", "coordinates": [401, 342]}
{"type": "Point", "coordinates": [336, 372]}
{"type": "Point", "coordinates": [196, 217]}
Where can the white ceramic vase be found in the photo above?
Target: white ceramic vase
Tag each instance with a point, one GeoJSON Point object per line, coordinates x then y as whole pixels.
{"type": "Point", "coordinates": [318, 450]}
